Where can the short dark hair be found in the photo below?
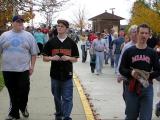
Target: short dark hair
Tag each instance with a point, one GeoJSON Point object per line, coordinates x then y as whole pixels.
{"type": "Point", "coordinates": [64, 22]}
{"type": "Point", "coordinates": [144, 25]}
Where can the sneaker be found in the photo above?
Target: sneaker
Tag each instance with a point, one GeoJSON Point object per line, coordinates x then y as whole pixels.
{"type": "Point", "coordinates": [11, 118]}
{"type": "Point", "coordinates": [25, 113]}
{"type": "Point", "coordinates": [97, 73]}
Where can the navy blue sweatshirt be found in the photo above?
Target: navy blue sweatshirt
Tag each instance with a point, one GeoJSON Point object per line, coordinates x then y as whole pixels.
{"type": "Point", "coordinates": [143, 59]}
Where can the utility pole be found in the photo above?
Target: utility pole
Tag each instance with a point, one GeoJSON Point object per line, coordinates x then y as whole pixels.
{"type": "Point", "coordinates": [112, 9]}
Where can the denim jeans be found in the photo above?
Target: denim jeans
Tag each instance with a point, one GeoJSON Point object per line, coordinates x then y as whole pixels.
{"type": "Point", "coordinates": [109, 55]}
{"type": "Point", "coordinates": [63, 97]}
{"type": "Point", "coordinates": [99, 61]}
{"type": "Point", "coordinates": [105, 57]}
{"type": "Point", "coordinates": [84, 53]}
{"type": "Point", "coordinates": [139, 106]}
{"type": "Point", "coordinates": [116, 59]}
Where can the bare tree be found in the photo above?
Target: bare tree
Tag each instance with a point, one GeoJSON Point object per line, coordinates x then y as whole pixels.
{"type": "Point", "coordinates": [80, 20]}
{"type": "Point", "coordinates": [49, 7]}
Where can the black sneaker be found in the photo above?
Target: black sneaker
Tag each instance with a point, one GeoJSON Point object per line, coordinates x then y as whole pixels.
{"type": "Point", "coordinates": [25, 113]}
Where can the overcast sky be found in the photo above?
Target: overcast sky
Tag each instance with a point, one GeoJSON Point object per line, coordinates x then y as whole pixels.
{"type": "Point", "coordinates": [93, 8]}
{"type": "Point", "coordinates": [96, 7]}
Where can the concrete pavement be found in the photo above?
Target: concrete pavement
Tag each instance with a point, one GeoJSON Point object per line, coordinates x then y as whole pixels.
{"type": "Point", "coordinates": [104, 92]}
{"type": "Point", "coordinates": [41, 104]}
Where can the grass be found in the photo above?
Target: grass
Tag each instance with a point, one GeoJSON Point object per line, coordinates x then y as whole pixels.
{"type": "Point", "coordinates": [1, 81]}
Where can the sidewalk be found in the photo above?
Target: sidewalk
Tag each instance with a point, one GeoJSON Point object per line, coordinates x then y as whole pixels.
{"type": "Point", "coordinates": [41, 103]}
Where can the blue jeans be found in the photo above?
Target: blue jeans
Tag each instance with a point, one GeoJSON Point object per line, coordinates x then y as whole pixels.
{"type": "Point", "coordinates": [139, 106]}
{"type": "Point", "coordinates": [111, 57]}
{"type": "Point", "coordinates": [99, 61]}
{"type": "Point", "coordinates": [116, 59]}
{"type": "Point", "coordinates": [84, 53]}
{"type": "Point", "coordinates": [63, 97]}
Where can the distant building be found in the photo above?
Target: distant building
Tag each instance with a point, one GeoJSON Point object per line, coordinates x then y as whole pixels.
{"type": "Point", "coordinates": [105, 21]}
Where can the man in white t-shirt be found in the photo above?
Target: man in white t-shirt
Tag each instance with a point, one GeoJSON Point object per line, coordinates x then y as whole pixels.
{"type": "Point", "coordinates": [18, 49]}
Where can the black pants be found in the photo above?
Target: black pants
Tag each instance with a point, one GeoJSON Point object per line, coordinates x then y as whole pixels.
{"type": "Point", "coordinates": [18, 85]}
{"type": "Point", "coordinates": [40, 46]}
{"type": "Point", "coordinates": [84, 53]}
{"type": "Point", "coordinates": [92, 65]}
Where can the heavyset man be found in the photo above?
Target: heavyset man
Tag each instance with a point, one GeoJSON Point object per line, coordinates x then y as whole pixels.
{"type": "Point", "coordinates": [18, 49]}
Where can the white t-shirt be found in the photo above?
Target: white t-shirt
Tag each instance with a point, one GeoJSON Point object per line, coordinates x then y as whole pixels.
{"type": "Point", "coordinates": [16, 49]}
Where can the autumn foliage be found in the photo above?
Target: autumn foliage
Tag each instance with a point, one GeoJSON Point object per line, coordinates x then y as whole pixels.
{"type": "Point", "coordinates": [6, 13]}
{"type": "Point", "coordinates": [143, 13]}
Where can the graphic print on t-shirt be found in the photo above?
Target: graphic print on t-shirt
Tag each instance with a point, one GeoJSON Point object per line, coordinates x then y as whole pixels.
{"type": "Point", "coordinates": [61, 52]}
{"type": "Point", "coordinates": [143, 58]}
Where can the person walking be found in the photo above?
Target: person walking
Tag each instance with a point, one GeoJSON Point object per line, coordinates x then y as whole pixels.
{"type": "Point", "coordinates": [40, 39]}
{"type": "Point", "coordinates": [84, 47]}
{"type": "Point", "coordinates": [92, 59]}
{"type": "Point", "coordinates": [18, 49]}
{"type": "Point", "coordinates": [110, 52]}
{"type": "Point", "coordinates": [99, 47]}
{"type": "Point", "coordinates": [106, 53]}
{"type": "Point", "coordinates": [62, 51]}
{"type": "Point", "coordinates": [140, 66]}
{"type": "Point", "coordinates": [116, 43]}
{"type": "Point", "coordinates": [133, 39]}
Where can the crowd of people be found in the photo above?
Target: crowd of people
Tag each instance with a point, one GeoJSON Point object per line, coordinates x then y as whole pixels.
{"type": "Point", "coordinates": [103, 46]}
{"type": "Point", "coordinates": [134, 55]}
{"type": "Point", "coordinates": [136, 59]}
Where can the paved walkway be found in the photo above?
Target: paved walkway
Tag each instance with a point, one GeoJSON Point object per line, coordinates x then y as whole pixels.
{"type": "Point", "coordinates": [104, 92]}
{"type": "Point", "coordinates": [41, 104]}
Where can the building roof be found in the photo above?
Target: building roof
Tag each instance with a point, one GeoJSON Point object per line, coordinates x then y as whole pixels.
{"type": "Point", "coordinates": [106, 16]}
